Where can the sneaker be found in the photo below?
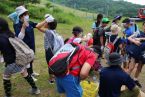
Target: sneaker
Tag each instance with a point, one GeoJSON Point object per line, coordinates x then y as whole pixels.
{"type": "Point", "coordinates": [35, 91]}
{"type": "Point", "coordinates": [51, 81]}
{"type": "Point", "coordinates": [34, 78]}
{"type": "Point", "coordinates": [35, 74]}
{"type": "Point", "coordinates": [138, 83]}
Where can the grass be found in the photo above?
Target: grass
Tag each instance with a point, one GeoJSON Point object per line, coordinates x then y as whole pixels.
{"type": "Point", "coordinates": [19, 85]}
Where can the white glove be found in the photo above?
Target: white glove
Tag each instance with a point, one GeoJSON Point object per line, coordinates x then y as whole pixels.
{"type": "Point", "coordinates": [49, 19]}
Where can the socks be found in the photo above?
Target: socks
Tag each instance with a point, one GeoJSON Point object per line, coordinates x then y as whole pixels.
{"type": "Point", "coordinates": [31, 81]}
{"type": "Point", "coordinates": [30, 69]}
{"type": "Point", "coordinates": [7, 87]}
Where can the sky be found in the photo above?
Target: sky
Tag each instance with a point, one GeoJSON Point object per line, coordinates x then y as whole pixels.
{"type": "Point", "coordinates": [142, 2]}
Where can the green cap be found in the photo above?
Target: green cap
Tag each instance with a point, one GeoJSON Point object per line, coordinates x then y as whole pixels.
{"type": "Point", "coordinates": [105, 20]}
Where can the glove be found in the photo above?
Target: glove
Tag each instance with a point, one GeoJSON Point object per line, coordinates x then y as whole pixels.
{"type": "Point", "coordinates": [49, 19]}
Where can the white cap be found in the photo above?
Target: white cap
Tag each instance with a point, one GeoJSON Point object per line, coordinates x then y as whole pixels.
{"type": "Point", "coordinates": [77, 40]}
{"type": "Point", "coordinates": [47, 15]}
{"type": "Point", "coordinates": [49, 18]}
{"type": "Point", "coordinates": [20, 10]}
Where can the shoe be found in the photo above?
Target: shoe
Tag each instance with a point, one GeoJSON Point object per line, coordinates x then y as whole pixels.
{"type": "Point", "coordinates": [34, 78]}
{"type": "Point", "coordinates": [35, 91]}
{"type": "Point", "coordinates": [51, 81]}
{"type": "Point", "coordinates": [138, 83]}
{"type": "Point", "coordinates": [35, 74]}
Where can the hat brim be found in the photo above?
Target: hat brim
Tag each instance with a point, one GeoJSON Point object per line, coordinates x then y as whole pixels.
{"type": "Point", "coordinates": [106, 22]}
{"type": "Point", "coordinates": [22, 12]}
{"type": "Point", "coordinates": [115, 63]}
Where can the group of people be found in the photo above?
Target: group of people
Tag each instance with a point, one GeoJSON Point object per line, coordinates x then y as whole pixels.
{"type": "Point", "coordinates": [85, 59]}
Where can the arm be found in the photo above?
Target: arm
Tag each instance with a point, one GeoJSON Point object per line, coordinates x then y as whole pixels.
{"type": "Point", "coordinates": [85, 71]}
{"type": "Point", "coordinates": [133, 40]}
{"type": "Point", "coordinates": [21, 35]}
{"type": "Point", "coordinates": [102, 40]}
{"type": "Point", "coordinates": [40, 25]}
{"type": "Point", "coordinates": [90, 61]}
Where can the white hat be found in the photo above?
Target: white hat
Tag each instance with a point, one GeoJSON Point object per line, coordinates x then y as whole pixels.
{"type": "Point", "coordinates": [20, 10]}
{"type": "Point", "coordinates": [77, 40]}
{"type": "Point", "coordinates": [49, 18]}
{"type": "Point", "coordinates": [47, 15]}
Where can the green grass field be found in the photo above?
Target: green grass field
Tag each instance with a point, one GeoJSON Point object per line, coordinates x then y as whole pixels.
{"type": "Point", "coordinates": [20, 87]}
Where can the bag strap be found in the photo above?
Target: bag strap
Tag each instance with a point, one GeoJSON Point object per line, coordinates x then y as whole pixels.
{"type": "Point", "coordinates": [115, 40]}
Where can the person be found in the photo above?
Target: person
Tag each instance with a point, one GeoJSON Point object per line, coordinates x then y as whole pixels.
{"type": "Point", "coordinates": [70, 83]}
{"type": "Point", "coordinates": [114, 36]}
{"type": "Point", "coordinates": [128, 29]}
{"type": "Point", "coordinates": [135, 51]}
{"type": "Point", "coordinates": [116, 20]}
{"type": "Point", "coordinates": [98, 22]}
{"type": "Point", "coordinates": [11, 67]}
{"type": "Point", "coordinates": [77, 35]}
{"type": "Point", "coordinates": [99, 38]}
{"type": "Point", "coordinates": [88, 40]}
{"type": "Point", "coordinates": [112, 78]}
{"type": "Point", "coordinates": [52, 40]}
{"type": "Point", "coordinates": [24, 30]}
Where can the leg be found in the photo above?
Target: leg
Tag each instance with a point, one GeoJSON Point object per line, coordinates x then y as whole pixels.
{"type": "Point", "coordinates": [131, 65]}
{"type": "Point", "coordinates": [31, 82]}
{"type": "Point", "coordinates": [30, 69]}
{"type": "Point", "coordinates": [7, 85]}
{"type": "Point", "coordinates": [137, 73]}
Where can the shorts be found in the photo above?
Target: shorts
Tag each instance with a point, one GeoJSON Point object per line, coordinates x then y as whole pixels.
{"type": "Point", "coordinates": [13, 68]}
{"type": "Point", "coordinates": [70, 85]}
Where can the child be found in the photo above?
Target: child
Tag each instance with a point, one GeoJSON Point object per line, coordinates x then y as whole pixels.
{"type": "Point", "coordinates": [52, 41]}
{"type": "Point", "coordinates": [77, 33]}
{"type": "Point", "coordinates": [112, 78]}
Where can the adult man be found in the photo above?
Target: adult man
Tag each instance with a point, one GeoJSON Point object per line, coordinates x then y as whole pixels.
{"type": "Point", "coordinates": [113, 77]}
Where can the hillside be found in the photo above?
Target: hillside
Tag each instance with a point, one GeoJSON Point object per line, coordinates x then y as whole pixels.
{"type": "Point", "coordinates": [107, 7]}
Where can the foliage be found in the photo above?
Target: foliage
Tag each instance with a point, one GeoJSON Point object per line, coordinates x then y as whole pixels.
{"type": "Point", "coordinates": [108, 7]}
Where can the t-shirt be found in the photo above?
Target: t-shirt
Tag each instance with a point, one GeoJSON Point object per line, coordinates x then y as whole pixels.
{"type": "Point", "coordinates": [100, 31]}
{"type": "Point", "coordinates": [82, 56]}
{"type": "Point", "coordinates": [29, 38]}
{"type": "Point", "coordinates": [95, 25]}
{"type": "Point", "coordinates": [111, 80]}
{"type": "Point", "coordinates": [7, 50]}
{"type": "Point", "coordinates": [128, 31]}
{"type": "Point", "coordinates": [118, 42]}
{"type": "Point", "coordinates": [53, 40]}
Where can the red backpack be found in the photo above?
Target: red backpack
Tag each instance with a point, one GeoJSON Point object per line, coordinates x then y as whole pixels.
{"type": "Point", "coordinates": [109, 48]}
{"type": "Point", "coordinates": [59, 63]}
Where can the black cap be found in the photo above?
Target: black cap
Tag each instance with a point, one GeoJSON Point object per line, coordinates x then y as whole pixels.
{"type": "Point", "coordinates": [127, 20]}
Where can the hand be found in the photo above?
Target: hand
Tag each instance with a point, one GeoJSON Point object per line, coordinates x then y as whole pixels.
{"type": "Point", "coordinates": [137, 43]}
{"type": "Point", "coordinates": [25, 24]}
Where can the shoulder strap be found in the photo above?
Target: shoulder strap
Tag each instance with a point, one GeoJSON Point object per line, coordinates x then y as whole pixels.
{"type": "Point", "coordinates": [115, 40]}
{"type": "Point", "coordinates": [135, 27]}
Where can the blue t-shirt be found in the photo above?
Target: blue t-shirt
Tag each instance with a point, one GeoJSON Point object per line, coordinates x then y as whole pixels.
{"type": "Point", "coordinates": [29, 38]}
{"type": "Point", "coordinates": [128, 31]}
{"type": "Point", "coordinates": [111, 80]}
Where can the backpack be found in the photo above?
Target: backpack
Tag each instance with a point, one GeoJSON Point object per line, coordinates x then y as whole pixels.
{"type": "Point", "coordinates": [59, 63]}
{"type": "Point", "coordinates": [109, 48]}
{"type": "Point", "coordinates": [24, 55]}
{"type": "Point", "coordinates": [58, 42]}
